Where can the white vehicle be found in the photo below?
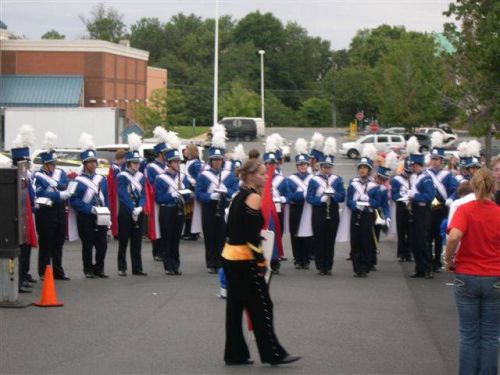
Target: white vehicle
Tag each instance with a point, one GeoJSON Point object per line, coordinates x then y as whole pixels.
{"type": "Point", "coordinates": [382, 142]}
{"type": "Point", "coordinates": [105, 124]}
{"type": "Point", "coordinates": [448, 138]}
{"type": "Point", "coordinates": [68, 159]}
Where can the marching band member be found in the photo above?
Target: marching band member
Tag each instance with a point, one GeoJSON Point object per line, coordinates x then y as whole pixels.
{"type": "Point", "coordinates": [325, 192]}
{"type": "Point", "coordinates": [50, 187]}
{"type": "Point", "coordinates": [444, 185]}
{"type": "Point", "coordinates": [363, 197]}
{"type": "Point", "coordinates": [383, 214]}
{"type": "Point", "coordinates": [279, 190]}
{"type": "Point", "coordinates": [115, 168]}
{"type": "Point", "coordinates": [132, 196]}
{"type": "Point", "coordinates": [192, 228]}
{"type": "Point", "coordinates": [400, 185]}
{"type": "Point", "coordinates": [300, 210]}
{"type": "Point", "coordinates": [214, 188]}
{"type": "Point", "coordinates": [89, 199]}
{"type": "Point", "coordinates": [156, 167]}
{"type": "Point", "coordinates": [316, 154]}
{"type": "Point", "coordinates": [171, 195]}
{"type": "Point", "coordinates": [469, 162]}
{"type": "Point", "coordinates": [20, 151]}
{"type": "Point", "coordinates": [421, 194]}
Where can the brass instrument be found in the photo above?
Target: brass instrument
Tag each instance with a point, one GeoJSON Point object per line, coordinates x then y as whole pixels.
{"type": "Point", "coordinates": [219, 202]}
{"type": "Point", "coordinates": [358, 211]}
{"type": "Point", "coordinates": [329, 200]}
{"type": "Point", "coordinates": [180, 199]}
{"type": "Point", "coordinates": [435, 203]}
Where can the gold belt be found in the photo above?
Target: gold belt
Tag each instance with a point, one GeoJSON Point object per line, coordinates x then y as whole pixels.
{"type": "Point", "coordinates": [237, 252]}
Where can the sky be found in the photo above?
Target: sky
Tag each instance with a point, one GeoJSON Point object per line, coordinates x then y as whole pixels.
{"type": "Point", "coordinates": [333, 20]}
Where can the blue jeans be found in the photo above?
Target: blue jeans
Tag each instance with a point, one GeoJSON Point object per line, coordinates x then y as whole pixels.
{"type": "Point", "coordinates": [478, 304]}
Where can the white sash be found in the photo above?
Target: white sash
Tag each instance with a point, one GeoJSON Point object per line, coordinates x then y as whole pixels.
{"type": "Point", "coordinates": [215, 179]}
{"type": "Point", "coordinates": [323, 184]}
{"type": "Point", "coordinates": [403, 182]}
{"type": "Point", "coordinates": [92, 188]}
{"type": "Point", "coordinates": [360, 188]}
{"type": "Point", "coordinates": [301, 184]}
{"type": "Point", "coordinates": [135, 180]}
{"type": "Point", "coordinates": [51, 181]}
{"type": "Point", "coordinates": [191, 179]}
{"type": "Point", "coordinates": [438, 182]}
{"type": "Point", "coordinates": [173, 185]}
{"type": "Point", "coordinates": [156, 167]}
{"type": "Point", "coordinates": [415, 180]}
{"type": "Point", "coordinates": [305, 225]}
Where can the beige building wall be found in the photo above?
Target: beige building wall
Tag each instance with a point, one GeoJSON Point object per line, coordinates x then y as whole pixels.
{"type": "Point", "coordinates": [156, 79]}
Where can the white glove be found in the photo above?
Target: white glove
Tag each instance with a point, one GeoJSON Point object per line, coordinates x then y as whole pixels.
{"type": "Point", "coordinates": [277, 200]}
{"type": "Point", "coordinates": [329, 191]}
{"type": "Point", "coordinates": [222, 189]}
{"type": "Point", "coordinates": [215, 196]}
{"type": "Point", "coordinates": [364, 198]}
{"type": "Point", "coordinates": [324, 198]}
{"type": "Point", "coordinates": [360, 206]}
{"type": "Point", "coordinates": [449, 201]}
{"type": "Point", "coordinates": [411, 194]}
{"type": "Point", "coordinates": [404, 198]}
{"type": "Point", "coordinates": [94, 211]}
{"type": "Point", "coordinates": [283, 200]}
{"type": "Point", "coordinates": [175, 194]}
{"type": "Point", "coordinates": [137, 211]}
{"type": "Point", "coordinates": [64, 195]}
{"type": "Point", "coordinates": [388, 222]}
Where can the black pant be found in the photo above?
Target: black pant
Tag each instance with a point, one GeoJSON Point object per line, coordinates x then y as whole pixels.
{"type": "Point", "coordinates": [376, 239]}
{"type": "Point", "coordinates": [129, 230]}
{"type": "Point", "coordinates": [325, 231]}
{"type": "Point", "coordinates": [247, 290]}
{"type": "Point", "coordinates": [362, 243]}
{"type": "Point", "coordinates": [403, 230]}
{"type": "Point", "coordinates": [157, 250]}
{"type": "Point", "coordinates": [24, 263]}
{"type": "Point", "coordinates": [438, 214]}
{"type": "Point", "coordinates": [92, 235]}
{"type": "Point", "coordinates": [51, 228]}
{"type": "Point", "coordinates": [171, 223]}
{"type": "Point", "coordinates": [419, 238]}
{"type": "Point", "coordinates": [214, 233]}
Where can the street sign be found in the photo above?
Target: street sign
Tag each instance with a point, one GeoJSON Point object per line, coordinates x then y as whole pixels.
{"type": "Point", "coordinates": [360, 116]}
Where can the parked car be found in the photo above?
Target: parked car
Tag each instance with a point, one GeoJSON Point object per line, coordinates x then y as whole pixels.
{"type": "Point", "coordinates": [382, 142]}
{"type": "Point", "coordinates": [240, 128]}
{"type": "Point", "coordinates": [396, 130]}
{"type": "Point", "coordinates": [448, 139]}
{"type": "Point", "coordinates": [423, 139]}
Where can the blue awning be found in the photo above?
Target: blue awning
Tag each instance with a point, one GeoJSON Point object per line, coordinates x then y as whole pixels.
{"type": "Point", "coordinates": [41, 91]}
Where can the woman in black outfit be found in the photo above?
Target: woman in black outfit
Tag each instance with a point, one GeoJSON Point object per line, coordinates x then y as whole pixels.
{"type": "Point", "coordinates": [245, 267]}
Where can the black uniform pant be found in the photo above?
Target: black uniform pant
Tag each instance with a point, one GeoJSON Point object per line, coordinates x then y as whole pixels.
{"type": "Point", "coordinates": [92, 236]}
{"type": "Point", "coordinates": [276, 262]}
{"type": "Point", "coordinates": [362, 243]}
{"type": "Point", "coordinates": [246, 290]}
{"type": "Point", "coordinates": [129, 230]}
{"type": "Point", "coordinates": [171, 223]}
{"type": "Point", "coordinates": [51, 228]}
{"type": "Point", "coordinates": [214, 233]}
{"type": "Point", "coordinates": [438, 214]}
{"type": "Point", "coordinates": [157, 250]}
{"type": "Point", "coordinates": [24, 262]}
{"type": "Point", "coordinates": [419, 238]}
{"type": "Point", "coordinates": [403, 230]}
{"type": "Point", "coordinates": [325, 231]}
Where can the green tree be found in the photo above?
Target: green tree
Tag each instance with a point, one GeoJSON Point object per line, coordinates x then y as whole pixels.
{"type": "Point", "coordinates": [239, 102]}
{"type": "Point", "coordinates": [409, 82]}
{"type": "Point", "coordinates": [104, 24]}
{"type": "Point", "coordinates": [278, 114]}
{"type": "Point", "coordinates": [477, 59]}
{"type": "Point", "coordinates": [53, 34]}
{"type": "Point", "coordinates": [148, 34]}
{"type": "Point", "coordinates": [316, 112]}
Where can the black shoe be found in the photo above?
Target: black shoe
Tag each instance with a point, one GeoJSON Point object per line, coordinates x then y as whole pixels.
{"type": "Point", "coordinates": [373, 268]}
{"type": "Point", "coordinates": [358, 274]}
{"type": "Point", "coordinates": [211, 270]}
{"type": "Point", "coordinates": [178, 272]}
{"type": "Point", "coordinates": [401, 260]}
{"type": "Point", "coordinates": [157, 258]}
{"type": "Point", "coordinates": [102, 275]}
{"type": "Point", "coordinates": [288, 359]}
{"type": "Point", "coordinates": [24, 289]}
{"type": "Point", "coordinates": [30, 279]}
{"type": "Point", "coordinates": [328, 273]}
{"type": "Point", "coordinates": [416, 275]}
{"type": "Point", "coordinates": [90, 275]}
{"type": "Point", "coordinates": [283, 259]}
{"type": "Point", "coordinates": [321, 273]}
{"type": "Point", "coordinates": [122, 273]}
{"type": "Point", "coordinates": [139, 273]}
{"type": "Point", "coordinates": [239, 363]}
{"type": "Point", "coordinates": [299, 267]}
{"type": "Point", "coordinates": [429, 275]}
{"type": "Point", "coordinates": [348, 258]}
{"type": "Point", "coordinates": [275, 272]}
{"type": "Point", "coordinates": [169, 273]}
{"type": "Point", "coordinates": [63, 277]}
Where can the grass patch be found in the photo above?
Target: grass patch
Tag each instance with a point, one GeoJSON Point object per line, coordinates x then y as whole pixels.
{"type": "Point", "coordinates": [187, 131]}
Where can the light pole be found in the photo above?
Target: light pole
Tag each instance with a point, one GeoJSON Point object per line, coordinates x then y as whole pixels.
{"type": "Point", "coordinates": [261, 53]}
{"type": "Point", "coordinates": [216, 65]}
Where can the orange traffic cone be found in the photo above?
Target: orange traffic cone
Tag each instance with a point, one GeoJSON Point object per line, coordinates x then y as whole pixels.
{"type": "Point", "coordinates": [48, 297]}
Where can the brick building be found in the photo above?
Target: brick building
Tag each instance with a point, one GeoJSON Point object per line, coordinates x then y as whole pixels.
{"type": "Point", "coordinates": [114, 75]}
